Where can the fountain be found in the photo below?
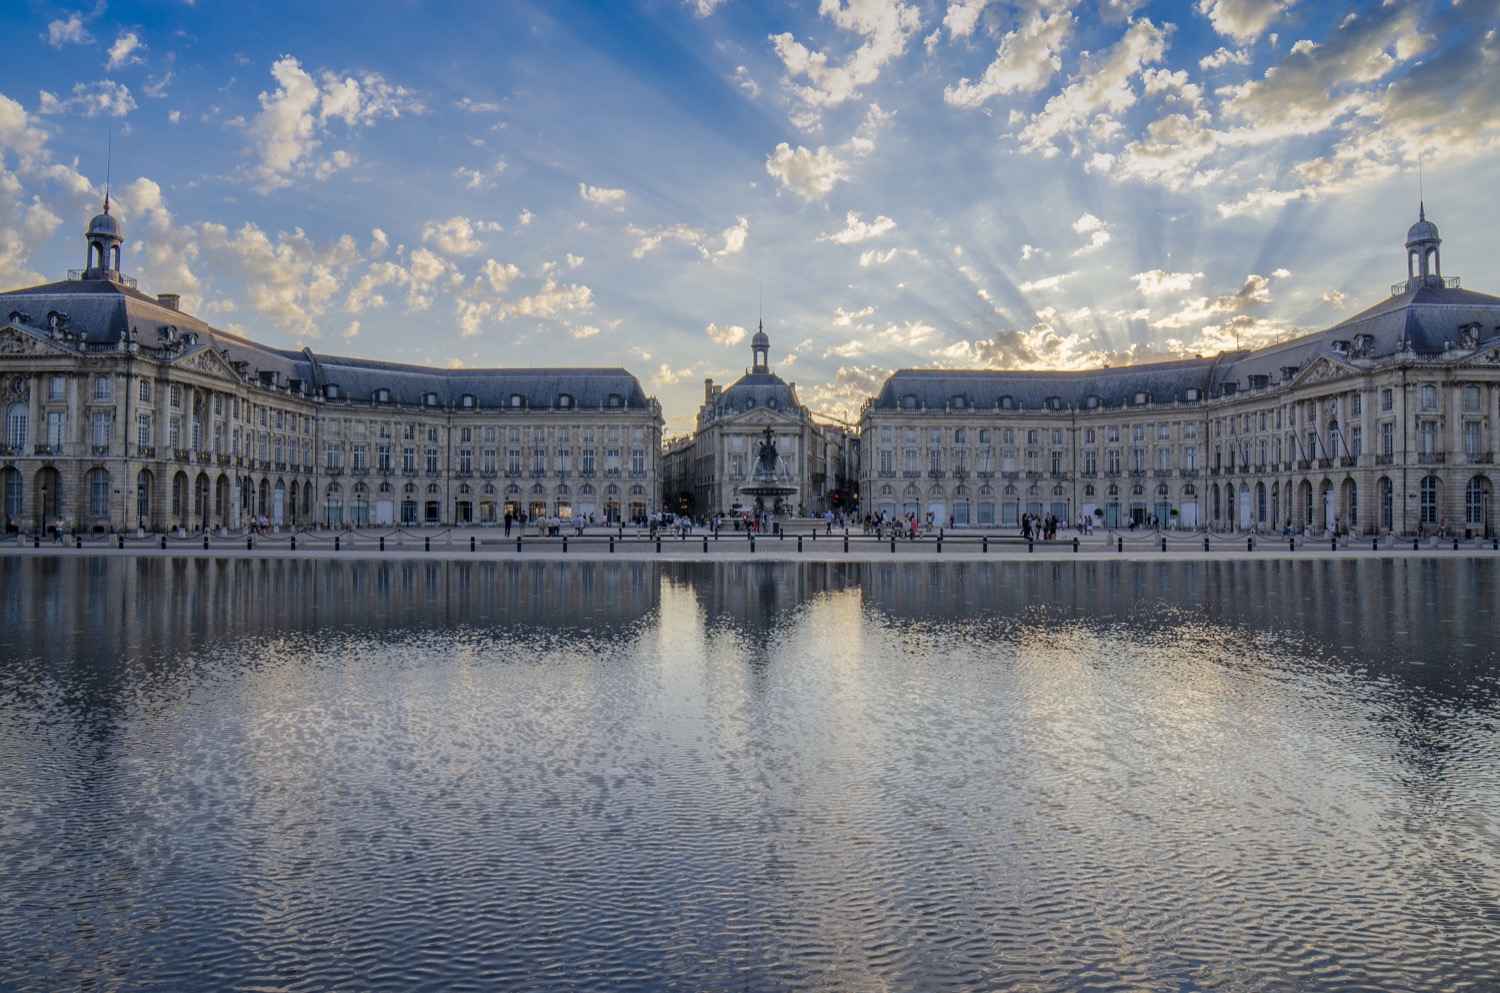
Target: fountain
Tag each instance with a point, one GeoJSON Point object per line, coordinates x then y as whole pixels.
{"type": "Point", "coordinates": [765, 480]}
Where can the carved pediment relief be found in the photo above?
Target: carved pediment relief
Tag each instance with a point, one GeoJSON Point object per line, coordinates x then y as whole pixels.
{"type": "Point", "coordinates": [206, 360]}
{"type": "Point", "coordinates": [14, 341]}
{"type": "Point", "coordinates": [1322, 370]}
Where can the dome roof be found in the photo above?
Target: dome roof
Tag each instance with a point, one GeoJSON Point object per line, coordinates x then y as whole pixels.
{"type": "Point", "coordinates": [761, 340]}
{"type": "Point", "coordinates": [107, 226]}
{"type": "Point", "coordinates": [1423, 230]}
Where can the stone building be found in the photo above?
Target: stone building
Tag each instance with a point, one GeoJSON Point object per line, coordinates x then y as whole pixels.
{"type": "Point", "coordinates": [708, 471]}
{"type": "Point", "coordinates": [122, 412]}
{"type": "Point", "coordinates": [1385, 422]}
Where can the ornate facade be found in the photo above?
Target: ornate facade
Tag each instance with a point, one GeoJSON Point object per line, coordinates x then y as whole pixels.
{"type": "Point", "coordinates": [123, 413]}
{"type": "Point", "coordinates": [707, 472]}
{"type": "Point", "coordinates": [1383, 423]}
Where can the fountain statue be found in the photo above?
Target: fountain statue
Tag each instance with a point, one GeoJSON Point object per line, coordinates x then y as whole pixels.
{"type": "Point", "coordinates": [766, 483]}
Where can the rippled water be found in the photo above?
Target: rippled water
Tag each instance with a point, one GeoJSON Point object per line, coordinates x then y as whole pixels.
{"type": "Point", "coordinates": [346, 775]}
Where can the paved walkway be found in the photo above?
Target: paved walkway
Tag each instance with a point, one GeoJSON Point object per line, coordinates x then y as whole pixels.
{"type": "Point", "coordinates": [803, 544]}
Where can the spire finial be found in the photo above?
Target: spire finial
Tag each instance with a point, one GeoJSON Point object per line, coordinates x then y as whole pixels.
{"type": "Point", "coordinates": [109, 150]}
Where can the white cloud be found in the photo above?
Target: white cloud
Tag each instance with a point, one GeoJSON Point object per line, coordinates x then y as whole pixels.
{"type": "Point", "coordinates": [963, 16]}
{"type": "Point", "coordinates": [70, 31]}
{"type": "Point", "coordinates": [847, 350]}
{"type": "Point", "coordinates": [884, 26]}
{"type": "Point", "coordinates": [1254, 293]}
{"type": "Point", "coordinates": [1103, 86]}
{"type": "Point", "coordinates": [456, 236]}
{"type": "Point", "coordinates": [294, 119]}
{"type": "Point", "coordinates": [872, 257]}
{"type": "Point", "coordinates": [734, 238]}
{"type": "Point", "coordinates": [601, 197]}
{"type": "Point", "coordinates": [1157, 281]}
{"type": "Point", "coordinates": [123, 52]}
{"type": "Point", "coordinates": [703, 8]}
{"type": "Point", "coordinates": [1242, 20]}
{"type": "Point", "coordinates": [811, 175]}
{"type": "Point", "coordinates": [1224, 57]}
{"type": "Point", "coordinates": [1026, 61]}
{"type": "Point", "coordinates": [847, 318]}
{"type": "Point", "coordinates": [727, 336]}
{"type": "Point", "coordinates": [856, 230]}
{"type": "Point", "coordinates": [479, 179]}
{"type": "Point", "coordinates": [1097, 230]}
{"type": "Point", "coordinates": [91, 100]}
{"type": "Point", "coordinates": [745, 82]}
{"type": "Point", "coordinates": [1046, 282]}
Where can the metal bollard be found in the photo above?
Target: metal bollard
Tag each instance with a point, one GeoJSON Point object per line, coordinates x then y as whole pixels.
{"type": "Point", "coordinates": [705, 544]}
{"type": "Point", "coordinates": [752, 542]}
{"type": "Point", "coordinates": [473, 545]}
{"type": "Point", "coordinates": [121, 539]}
{"type": "Point", "coordinates": [518, 542]}
{"type": "Point", "coordinates": [382, 543]}
{"type": "Point", "coordinates": [1120, 544]}
{"type": "Point", "coordinates": [799, 543]}
{"type": "Point", "coordinates": [984, 544]}
{"type": "Point", "coordinates": [1333, 543]}
{"type": "Point", "coordinates": [1205, 543]}
{"type": "Point", "coordinates": [1292, 545]}
{"type": "Point", "coordinates": [249, 543]}
{"type": "Point", "coordinates": [611, 544]}
{"type": "Point", "coordinates": [1374, 544]}
{"type": "Point", "coordinates": [1030, 545]}
{"type": "Point", "coordinates": [164, 543]}
{"type": "Point", "coordinates": [335, 543]}
{"type": "Point", "coordinates": [427, 544]}
{"type": "Point", "coordinates": [205, 541]}
{"type": "Point", "coordinates": [940, 543]}
{"type": "Point", "coordinates": [36, 541]}
{"type": "Point", "coordinates": [1250, 544]}
{"type": "Point", "coordinates": [1455, 544]}
{"type": "Point", "coordinates": [1075, 546]}
{"type": "Point", "coordinates": [893, 545]}
{"type": "Point", "coordinates": [78, 542]}
{"type": "Point", "coordinates": [846, 542]}
{"type": "Point", "coordinates": [1414, 544]}
{"type": "Point", "coordinates": [658, 544]}
{"type": "Point", "coordinates": [565, 544]}
{"type": "Point", "coordinates": [294, 542]}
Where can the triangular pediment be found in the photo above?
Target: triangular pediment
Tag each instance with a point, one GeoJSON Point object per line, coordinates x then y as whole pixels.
{"type": "Point", "coordinates": [1322, 370]}
{"type": "Point", "coordinates": [16, 340]}
{"type": "Point", "coordinates": [205, 359]}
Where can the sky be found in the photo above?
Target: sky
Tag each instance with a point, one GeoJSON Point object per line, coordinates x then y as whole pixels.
{"type": "Point", "coordinates": [885, 185]}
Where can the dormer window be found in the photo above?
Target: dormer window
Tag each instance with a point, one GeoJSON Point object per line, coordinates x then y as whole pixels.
{"type": "Point", "coordinates": [331, 391]}
{"type": "Point", "coordinates": [1091, 402]}
{"type": "Point", "coordinates": [749, 402]}
{"type": "Point", "coordinates": [956, 402]}
{"type": "Point", "coordinates": [1142, 398]}
{"type": "Point", "coordinates": [517, 400]}
{"type": "Point", "coordinates": [1193, 393]}
{"type": "Point", "coordinates": [771, 403]}
{"type": "Point", "coordinates": [429, 399]}
{"type": "Point", "coordinates": [615, 400]}
{"type": "Point", "coordinates": [1054, 403]}
{"type": "Point", "coordinates": [564, 400]}
{"type": "Point", "coordinates": [468, 401]}
{"type": "Point", "coordinates": [1007, 402]}
{"type": "Point", "coordinates": [382, 395]}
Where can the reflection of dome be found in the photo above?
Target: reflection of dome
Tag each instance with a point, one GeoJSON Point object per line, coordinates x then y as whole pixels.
{"type": "Point", "coordinates": [1423, 230]}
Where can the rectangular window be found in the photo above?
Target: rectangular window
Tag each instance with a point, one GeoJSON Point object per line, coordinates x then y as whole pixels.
{"type": "Point", "coordinates": [1387, 439]}
{"type": "Point", "coordinates": [1356, 440]}
{"type": "Point", "coordinates": [1090, 463]}
{"type": "Point", "coordinates": [612, 457]}
{"type": "Point", "coordinates": [1429, 398]}
{"type": "Point", "coordinates": [588, 461]}
{"type": "Point", "coordinates": [1057, 463]}
{"type": "Point", "coordinates": [538, 461]}
{"type": "Point", "coordinates": [887, 462]}
{"type": "Point", "coordinates": [911, 460]}
{"type": "Point", "coordinates": [1427, 438]}
{"type": "Point", "coordinates": [143, 430]}
{"type": "Point", "coordinates": [102, 387]}
{"type": "Point", "coordinates": [885, 436]}
{"type": "Point", "coordinates": [513, 461]}
{"type": "Point", "coordinates": [564, 459]}
{"type": "Point", "coordinates": [637, 460]}
{"type": "Point", "coordinates": [1471, 398]}
{"type": "Point", "coordinates": [1112, 461]}
{"type": "Point", "coordinates": [99, 424]}
{"type": "Point", "coordinates": [1356, 404]}
{"type": "Point", "coordinates": [432, 461]}
{"type": "Point", "coordinates": [490, 463]}
{"type": "Point", "coordinates": [1190, 457]}
{"type": "Point", "coordinates": [1386, 399]}
{"type": "Point", "coordinates": [335, 457]}
{"type": "Point", "coordinates": [361, 458]}
{"type": "Point", "coordinates": [57, 388]}
{"type": "Point", "coordinates": [466, 460]}
{"type": "Point", "coordinates": [1163, 459]}
{"type": "Point", "coordinates": [1472, 446]}
{"type": "Point", "coordinates": [174, 433]}
{"type": "Point", "coordinates": [935, 460]}
{"type": "Point", "coordinates": [383, 458]}
{"type": "Point", "coordinates": [1137, 460]}
{"type": "Point", "coordinates": [145, 392]}
{"type": "Point", "coordinates": [984, 460]}
{"type": "Point", "coordinates": [408, 459]}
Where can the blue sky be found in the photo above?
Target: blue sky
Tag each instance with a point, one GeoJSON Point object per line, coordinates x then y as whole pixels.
{"type": "Point", "coordinates": [888, 184]}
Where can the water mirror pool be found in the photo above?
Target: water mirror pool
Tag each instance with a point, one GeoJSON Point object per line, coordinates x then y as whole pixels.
{"type": "Point", "coordinates": [538, 775]}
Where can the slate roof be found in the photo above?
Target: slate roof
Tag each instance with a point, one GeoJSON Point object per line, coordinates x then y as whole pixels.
{"type": "Point", "coordinates": [104, 313]}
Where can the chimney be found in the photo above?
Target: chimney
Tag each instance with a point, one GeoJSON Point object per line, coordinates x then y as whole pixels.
{"type": "Point", "coordinates": [171, 301]}
{"type": "Point", "coordinates": [708, 390]}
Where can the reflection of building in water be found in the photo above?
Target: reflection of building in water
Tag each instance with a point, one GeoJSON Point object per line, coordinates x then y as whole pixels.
{"type": "Point", "coordinates": [1384, 422]}
{"type": "Point", "coordinates": [122, 411]}
{"type": "Point", "coordinates": [710, 471]}
{"type": "Point", "coordinates": [759, 597]}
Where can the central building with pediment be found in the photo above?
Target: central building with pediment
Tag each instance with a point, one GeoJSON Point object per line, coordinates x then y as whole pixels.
{"type": "Point", "coordinates": [710, 471]}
